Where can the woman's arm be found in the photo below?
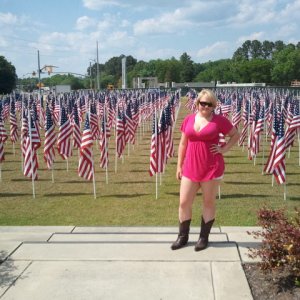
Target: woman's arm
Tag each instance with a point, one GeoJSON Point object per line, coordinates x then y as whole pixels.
{"type": "Point", "coordinates": [181, 155]}
{"type": "Point", "coordinates": [233, 138]}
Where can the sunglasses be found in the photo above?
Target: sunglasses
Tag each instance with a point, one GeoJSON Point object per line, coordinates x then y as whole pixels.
{"type": "Point", "coordinates": [204, 104]}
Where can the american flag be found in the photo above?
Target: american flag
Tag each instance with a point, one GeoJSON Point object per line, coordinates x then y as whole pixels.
{"type": "Point", "coordinates": [169, 135]}
{"type": "Point", "coordinates": [3, 137]}
{"type": "Point", "coordinates": [24, 132]}
{"type": "Point", "coordinates": [64, 136]}
{"type": "Point", "coordinates": [293, 126]}
{"type": "Point", "coordinates": [226, 107]}
{"type": "Point", "coordinates": [156, 151]}
{"type": "Point", "coordinates": [245, 118]}
{"type": "Point", "coordinates": [279, 158]}
{"type": "Point", "coordinates": [13, 123]}
{"type": "Point", "coordinates": [50, 140]}
{"type": "Point", "coordinates": [269, 166]}
{"type": "Point", "coordinates": [3, 134]}
{"type": "Point", "coordinates": [104, 144]}
{"type": "Point", "coordinates": [30, 160]}
{"type": "Point", "coordinates": [76, 128]}
{"type": "Point", "coordinates": [258, 125]}
{"type": "Point", "coordinates": [86, 164]}
{"type": "Point", "coordinates": [237, 113]}
{"type": "Point", "coordinates": [94, 122]}
{"type": "Point", "coordinates": [130, 126]}
{"type": "Point", "coordinates": [120, 139]}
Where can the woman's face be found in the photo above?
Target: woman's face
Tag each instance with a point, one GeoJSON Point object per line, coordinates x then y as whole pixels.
{"type": "Point", "coordinates": [205, 105]}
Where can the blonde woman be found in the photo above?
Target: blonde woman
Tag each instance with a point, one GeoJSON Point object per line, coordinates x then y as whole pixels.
{"type": "Point", "coordinates": [200, 165]}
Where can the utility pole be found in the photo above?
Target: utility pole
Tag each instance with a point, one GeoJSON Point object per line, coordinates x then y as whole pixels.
{"type": "Point", "coordinates": [39, 73]}
{"type": "Point", "coordinates": [91, 85]}
{"type": "Point", "coordinates": [98, 73]}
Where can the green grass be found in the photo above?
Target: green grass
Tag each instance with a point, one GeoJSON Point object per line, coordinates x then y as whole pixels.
{"type": "Point", "coordinates": [129, 197]}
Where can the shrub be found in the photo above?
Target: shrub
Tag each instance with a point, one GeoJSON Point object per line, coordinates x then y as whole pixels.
{"type": "Point", "coordinates": [280, 241]}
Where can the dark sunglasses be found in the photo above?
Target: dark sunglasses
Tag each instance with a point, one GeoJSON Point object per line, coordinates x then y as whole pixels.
{"type": "Point", "coordinates": [204, 104]}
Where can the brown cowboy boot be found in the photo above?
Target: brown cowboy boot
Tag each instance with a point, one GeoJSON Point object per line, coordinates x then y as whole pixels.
{"type": "Point", "coordinates": [183, 236]}
{"type": "Point", "coordinates": [204, 233]}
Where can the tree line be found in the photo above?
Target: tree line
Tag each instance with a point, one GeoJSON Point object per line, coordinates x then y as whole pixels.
{"type": "Point", "coordinates": [274, 63]}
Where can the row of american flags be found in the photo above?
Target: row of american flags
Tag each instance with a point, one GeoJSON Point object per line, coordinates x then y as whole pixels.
{"type": "Point", "coordinates": [269, 111]}
{"type": "Point", "coordinates": [58, 125]}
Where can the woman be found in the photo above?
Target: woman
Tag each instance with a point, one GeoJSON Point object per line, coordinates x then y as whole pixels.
{"type": "Point", "coordinates": [201, 165]}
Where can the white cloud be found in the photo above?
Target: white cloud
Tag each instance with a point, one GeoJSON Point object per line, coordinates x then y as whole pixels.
{"type": "Point", "coordinates": [287, 30]}
{"type": "Point", "coordinates": [99, 4]}
{"type": "Point", "coordinates": [254, 12]}
{"type": "Point", "coordinates": [147, 54]}
{"type": "Point", "coordinates": [84, 22]}
{"type": "Point", "coordinates": [290, 12]}
{"type": "Point", "coordinates": [8, 19]}
{"type": "Point", "coordinates": [214, 51]}
{"type": "Point", "coordinates": [253, 36]}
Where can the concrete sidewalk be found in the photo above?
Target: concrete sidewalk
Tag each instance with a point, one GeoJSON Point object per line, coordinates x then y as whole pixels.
{"type": "Point", "coordinates": [66, 262]}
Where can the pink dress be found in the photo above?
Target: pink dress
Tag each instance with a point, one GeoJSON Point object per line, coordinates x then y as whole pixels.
{"type": "Point", "coordinates": [200, 164]}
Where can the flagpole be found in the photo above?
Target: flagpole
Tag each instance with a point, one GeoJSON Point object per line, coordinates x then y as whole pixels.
{"type": "Point", "coordinates": [284, 191]}
{"type": "Point", "coordinates": [116, 139]}
{"type": "Point", "coordinates": [52, 173]}
{"type": "Point", "coordinates": [31, 152]}
{"type": "Point", "coordinates": [156, 142]}
{"type": "Point", "coordinates": [106, 145]}
{"type": "Point", "coordinates": [22, 111]}
{"type": "Point", "coordinates": [0, 171]}
{"type": "Point", "coordinates": [94, 182]}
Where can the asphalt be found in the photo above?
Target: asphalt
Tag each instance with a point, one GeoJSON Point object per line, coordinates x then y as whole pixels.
{"type": "Point", "coordinates": [67, 262]}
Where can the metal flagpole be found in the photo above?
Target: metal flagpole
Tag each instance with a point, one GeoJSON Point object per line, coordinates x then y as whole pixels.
{"type": "Point", "coordinates": [31, 151]}
{"type": "Point", "coordinates": [116, 139]}
{"type": "Point", "coordinates": [106, 145]}
{"type": "Point", "coordinates": [92, 159]}
{"type": "Point", "coordinates": [156, 142]}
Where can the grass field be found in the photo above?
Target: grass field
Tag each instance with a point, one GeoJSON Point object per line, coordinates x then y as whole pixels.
{"type": "Point", "coordinates": [129, 197]}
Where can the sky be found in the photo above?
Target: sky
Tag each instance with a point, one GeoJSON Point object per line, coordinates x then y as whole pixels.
{"type": "Point", "coordinates": [66, 32]}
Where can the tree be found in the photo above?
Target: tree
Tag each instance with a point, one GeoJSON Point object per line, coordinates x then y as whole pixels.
{"type": "Point", "coordinates": [8, 76]}
{"type": "Point", "coordinates": [267, 49]}
{"type": "Point", "coordinates": [187, 68]}
{"type": "Point", "coordinates": [256, 49]}
{"type": "Point", "coordinates": [286, 66]}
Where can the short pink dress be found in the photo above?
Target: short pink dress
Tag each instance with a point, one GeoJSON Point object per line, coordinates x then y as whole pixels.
{"type": "Point", "coordinates": [200, 164]}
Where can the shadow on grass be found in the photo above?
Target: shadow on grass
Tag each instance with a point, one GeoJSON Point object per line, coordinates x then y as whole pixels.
{"type": "Point", "coordinates": [126, 196]}
{"type": "Point", "coordinates": [74, 181]}
{"type": "Point", "coordinates": [130, 182]}
{"type": "Point", "coordinates": [28, 179]}
{"type": "Point", "coordinates": [14, 194]}
{"type": "Point", "coordinates": [244, 182]}
{"type": "Point", "coordinates": [67, 194]}
{"type": "Point", "coordinates": [239, 163]}
{"type": "Point", "coordinates": [294, 198]}
{"type": "Point", "coordinates": [293, 174]}
{"type": "Point", "coordinates": [240, 172]}
{"type": "Point", "coordinates": [230, 196]}
{"type": "Point", "coordinates": [173, 194]}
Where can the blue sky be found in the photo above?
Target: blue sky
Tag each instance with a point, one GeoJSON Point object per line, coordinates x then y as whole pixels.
{"type": "Point", "coordinates": [66, 31]}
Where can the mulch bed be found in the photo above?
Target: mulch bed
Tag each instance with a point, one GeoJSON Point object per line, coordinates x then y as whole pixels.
{"type": "Point", "coordinates": [277, 284]}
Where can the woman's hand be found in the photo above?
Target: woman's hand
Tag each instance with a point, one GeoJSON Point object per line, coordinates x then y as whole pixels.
{"type": "Point", "coordinates": [179, 173]}
{"type": "Point", "coordinates": [216, 149]}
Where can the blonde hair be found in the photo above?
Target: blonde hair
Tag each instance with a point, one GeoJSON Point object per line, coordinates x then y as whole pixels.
{"type": "Point", "coordinates": [210, 95]}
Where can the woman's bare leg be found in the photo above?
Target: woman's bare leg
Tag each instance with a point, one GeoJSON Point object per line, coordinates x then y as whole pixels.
{"type": "Point", "coordinates": [209, 192]}
{"type": "Point", "coordinates": [188, 191]}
